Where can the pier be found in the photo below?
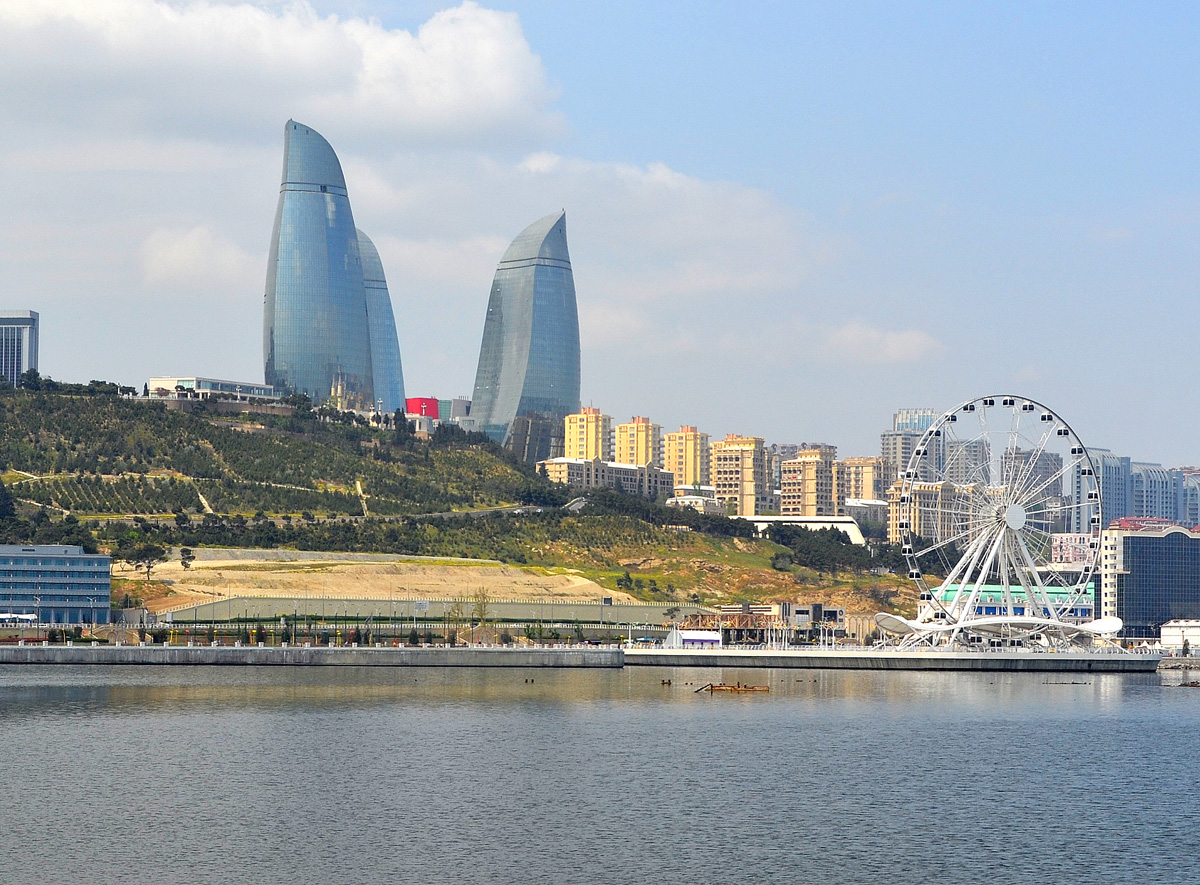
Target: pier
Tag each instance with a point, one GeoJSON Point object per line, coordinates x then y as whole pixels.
{"type": "Point", "coordinates": [889, 659]}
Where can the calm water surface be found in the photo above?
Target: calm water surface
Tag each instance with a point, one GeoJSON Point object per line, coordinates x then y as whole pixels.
{"type": "Point", "coordinates": [372, 775]}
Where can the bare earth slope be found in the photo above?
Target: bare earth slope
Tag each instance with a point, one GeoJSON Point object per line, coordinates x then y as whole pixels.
{"type": "Point", "coordinates": [219, 573]}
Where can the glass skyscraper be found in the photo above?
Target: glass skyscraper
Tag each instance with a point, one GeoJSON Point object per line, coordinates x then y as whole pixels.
{"type": "Point", "coordinates": [529, 358]}
{"type": "Point", "coordinates": [385, 344]}
{"type": "Point", "coordinates": [315, 327]}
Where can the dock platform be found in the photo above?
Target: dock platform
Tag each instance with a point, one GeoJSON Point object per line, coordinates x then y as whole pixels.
{"type": "Point", "coordinates": [888, 659]}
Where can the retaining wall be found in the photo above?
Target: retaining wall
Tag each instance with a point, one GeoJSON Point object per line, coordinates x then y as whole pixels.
{"type": "Point", "coordinates": [871, 659]}
{"type": "Point", "coordinates": [322, 656]}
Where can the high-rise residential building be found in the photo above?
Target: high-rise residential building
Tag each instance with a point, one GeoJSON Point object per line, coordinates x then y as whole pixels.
{"type": "Point", "coordinates": [386, 371]}
{"type": "Point", "coordinates": [914, 420]}
{"type": "Point", "coordinates": [686, 454]}
{"type": "Point", "coordinates": [316, 337]}
{"type": "Point", "coordinates": [968, 460]}
{"type": "Point", "coordinates": [777, 453]}
{"type": "Point", "coordinates": [588, 434]}
{"type": "Point", "coordinates": [897, 444]}
{"type": "Point", "coordinates": [1189, 497]}
{"type": "Point", "coordinates": [1115, 480]}
{"type": "Point", "coordinates": [18, 344]}
{"type": "Point", "coordinates": [638, 442]}
{"type": "Point", "coordinates": [1040, 472]}
{"type": "Point", "coordinates": [929, 512]}
{"type": "Point", "coordinates": [896, 448]}
{"type": "Point", "coordinates": [862, 478]}
{"type": "Point", "coordinates": [1157, 491]}
{"type": "Point", "coordinates": [529, 357]}
{"type": "Point", "coordinates": [741, 476]}
{"type": "Point", "coordinates": [809, 483]}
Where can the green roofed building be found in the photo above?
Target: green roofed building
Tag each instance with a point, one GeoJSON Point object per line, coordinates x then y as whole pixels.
{"type": "Point", "coordinates": [991, 601]}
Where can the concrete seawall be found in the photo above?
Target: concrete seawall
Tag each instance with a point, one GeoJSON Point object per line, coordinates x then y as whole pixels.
{"type": "Point", "coordinates": [596, 658]}
{"type": "Point", "coordinates": [610, 658]}
{"type": "Point", "coordinates": [872, 659]}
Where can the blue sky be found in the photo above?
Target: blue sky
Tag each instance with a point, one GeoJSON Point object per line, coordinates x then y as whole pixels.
{"type": "Point", "coordinates": [785, 220]}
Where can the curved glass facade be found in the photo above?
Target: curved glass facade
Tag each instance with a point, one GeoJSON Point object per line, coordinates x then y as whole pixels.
{"type": "Point", "coordinates": [529, 358]}
{"type": "Point", "coordinates": [315, 328]}
{"type": "Point", "coordinates": [385, 344]}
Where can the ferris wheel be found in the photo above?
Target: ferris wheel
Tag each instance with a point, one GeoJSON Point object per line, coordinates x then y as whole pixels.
{"type": "Point", "coordinates": [999, 513]}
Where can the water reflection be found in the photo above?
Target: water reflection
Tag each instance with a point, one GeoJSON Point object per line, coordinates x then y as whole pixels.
{"type": "Point", "coordinates": [69, 690]}
{"type": "Point", "coordinates": [331, 774]}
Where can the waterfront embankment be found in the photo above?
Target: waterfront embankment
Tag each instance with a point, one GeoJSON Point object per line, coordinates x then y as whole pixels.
{"type": "Point", "coordinates": [890, 659]}
{"type": "Point", "coordinates": [577, 657]}
{"type": "Point", "coordinates": [314, 656]}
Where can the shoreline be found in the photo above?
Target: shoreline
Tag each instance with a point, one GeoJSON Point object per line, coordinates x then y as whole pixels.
{"type": "Point", "coordinates": [573, 657]}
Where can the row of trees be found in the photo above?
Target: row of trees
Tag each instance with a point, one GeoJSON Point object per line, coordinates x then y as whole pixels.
{"type": "Point", "coordinates": [830, 550]}
{"type": "Point", "coordinates": [40, 528]}
{"type": "Point", "coordinates": [268, 469]}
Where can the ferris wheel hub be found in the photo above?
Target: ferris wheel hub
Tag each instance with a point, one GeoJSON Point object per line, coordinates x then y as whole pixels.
{"type": "Point", "coordinates": [1014, 517]}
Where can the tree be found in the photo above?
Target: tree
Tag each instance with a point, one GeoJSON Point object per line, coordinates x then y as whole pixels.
{"type": "Point", "coordinates": [8, 509]}
{"type": "Point", "coordinates": [480, 609]}
{"type": "Point", "coordinates": [454, 617]}
{"type": "Point", "coordinates": [404, 429]}
{"type": "Point", "coordinates": [146, 556]}
{"type": "Point", "coordinates": [186, 557]}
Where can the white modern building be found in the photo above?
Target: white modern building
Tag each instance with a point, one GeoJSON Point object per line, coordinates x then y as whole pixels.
{"type": "Point", "coordinates": [194, 387]}
{"type": "Point", "coordinates": [1176, 633]}
{"type": "Point", "coordinates": [679, 638]}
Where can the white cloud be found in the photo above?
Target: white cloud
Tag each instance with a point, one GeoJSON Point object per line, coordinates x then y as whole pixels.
{"type": "Point", "coordinates": [200, 68]}
{"type": "Point", "coordinates": [863, 342]}
{"type": "Point", "coordinates": [654, 251]}
{"type": "Point", "coordinates": [198, 260]}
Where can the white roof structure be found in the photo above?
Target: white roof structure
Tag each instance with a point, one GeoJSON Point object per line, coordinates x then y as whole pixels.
{"type": "Point", "coordinates": [678, 638]}
{"type": "Point", "coordinates": [814, 523]}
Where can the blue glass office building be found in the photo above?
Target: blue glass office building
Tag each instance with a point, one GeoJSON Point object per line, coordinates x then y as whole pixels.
{"type": "Point", "coordinates": [381, 322]}
{"type": "Point", "coordinates": [55, 584]}
{"type": "Point", "coordinates": [1153, 576]}
{"type": "Point", "coordinates": [529, 358]}
{"type": "Point", "coordinates": [315, 328]}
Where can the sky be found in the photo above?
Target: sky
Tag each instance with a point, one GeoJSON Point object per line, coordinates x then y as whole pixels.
{"type": "Point", "coordinates": [785, 220]}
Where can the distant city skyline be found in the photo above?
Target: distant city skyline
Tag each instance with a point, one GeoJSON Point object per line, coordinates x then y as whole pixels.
{"type": "Point", "coordinates": [786, 222]}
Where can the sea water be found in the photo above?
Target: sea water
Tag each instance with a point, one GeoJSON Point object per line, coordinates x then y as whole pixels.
{"type": "Point", "coordinates": [198, 774]}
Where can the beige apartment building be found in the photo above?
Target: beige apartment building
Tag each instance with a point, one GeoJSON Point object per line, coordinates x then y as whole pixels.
{"type": "Point", "coordinates": [809, 483]}
{"type": "Point", "coordinates": [740, 476]}
{"type": "Point", "coordinates": [862, 478]}
{"type": "Point", "coordinates": [639, 442]}
{"type": "Point", "coordinates": [634, 479]}
{"type": "Point", "coordinates": [588, 435]}
{"type": "Point", "coordinates": [686, 454]}
{"type": "Point", "coordinates": [928, 502]}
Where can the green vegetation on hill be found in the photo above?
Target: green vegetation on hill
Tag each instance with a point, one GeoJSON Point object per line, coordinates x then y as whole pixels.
{"type": "Point", "coordinates": [111, 455]}
{"type": "Point", "coordinates": [293, 482]}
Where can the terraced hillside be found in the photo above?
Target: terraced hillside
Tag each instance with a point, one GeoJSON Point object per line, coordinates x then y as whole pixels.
{"type": "Point", "coordinates": [111, 455]}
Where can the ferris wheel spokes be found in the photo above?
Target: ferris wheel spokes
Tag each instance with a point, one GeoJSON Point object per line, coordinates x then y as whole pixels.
{"type": "Point", "coordinates": [982, 498]}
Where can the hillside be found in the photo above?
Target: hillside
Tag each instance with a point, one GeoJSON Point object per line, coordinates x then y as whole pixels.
{"type": "Point", "coordinates": [168, 478]}
{"type": "Point", "coordinates": [110, 455]}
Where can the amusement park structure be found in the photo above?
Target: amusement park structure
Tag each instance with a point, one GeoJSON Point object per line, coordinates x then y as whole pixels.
{"type": "Point", "coordinates": [978, 504]}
